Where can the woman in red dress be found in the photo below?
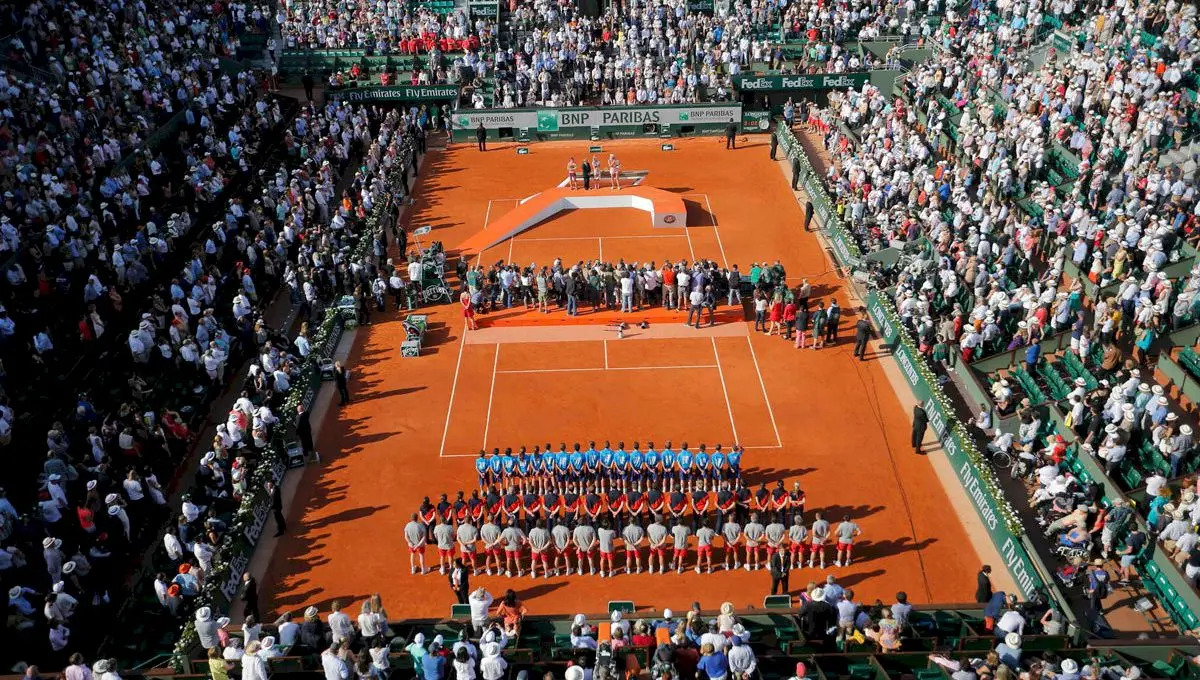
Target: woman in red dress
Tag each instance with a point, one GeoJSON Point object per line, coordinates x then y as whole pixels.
{"type": "Point", "coordinates": [468, 310]}
{"type": "Point", "coordinates": [776, 316]}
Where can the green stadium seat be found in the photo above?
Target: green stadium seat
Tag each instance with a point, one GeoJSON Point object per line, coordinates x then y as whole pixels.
{"type": "Point", "coordinates": [862, 671]}
{"type": "Point", "coordinates": [1172, 667]}
{"type": "Point", "coordinates": [287, 664]}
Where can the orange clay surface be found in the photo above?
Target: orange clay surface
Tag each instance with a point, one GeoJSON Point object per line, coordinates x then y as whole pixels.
{"type": "Point", "coordinates": [819, 417]}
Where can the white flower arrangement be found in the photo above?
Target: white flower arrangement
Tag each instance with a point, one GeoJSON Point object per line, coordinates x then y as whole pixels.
{"type": "Point", "coordinates": [984, 470]}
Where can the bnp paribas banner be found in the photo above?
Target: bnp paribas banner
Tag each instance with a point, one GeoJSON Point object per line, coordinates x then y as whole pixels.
{"type": "Point", "coordinates": [552, 120]}
{"type": "Point", "coordinates": [828, 81]}
{"type": "Point", "coordinates": [394, 93]}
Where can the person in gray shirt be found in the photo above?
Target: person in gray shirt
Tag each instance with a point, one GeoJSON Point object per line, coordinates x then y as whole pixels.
{"type": "Point", "coordinates": [514, 538]}
{"type": "Point", "coordinates": [742, 662]}
{"type": "Point", "coordinates": [818, 536]}
{"type": "Point", "coordinates": [414, 534]}
{"type": "Point", "coordinates": [657, 535]}
{"type": "Point", "coordinates": [561, 536]}
{"type": "Point", "coordinates": [443, 534]}
{"type": "Point", "coordinates": [539, 548]}
{"type": "Point", "coordinates": [797, 535]}
{"type": "Point", "coordinates": [585, 544]}
{"type": "Point", "coordinates": [467, 535]}
{"type": "Point", "coordinates": [901, 610]}
{"type": "Point", "coordinates": [776, 535]}
{"type": "Point", "coordinates": [607, 538]}
{"type": "Point", "coordinates": [847, 531]}
{"type": "Point", "coordinates": [753, 532]}
{"type": "Point", "coordinates": [732, 533]}
{"type": "Point", "coordinates": [206, 628]}
{"type": "Point", "coordinates": [679, 535]}
{"type": "Point", "coordinates": [704, 540]}
{"type": "Point", "coordinates": [633, 535]}
{"type": "Point", "coordinates": [490, 534]}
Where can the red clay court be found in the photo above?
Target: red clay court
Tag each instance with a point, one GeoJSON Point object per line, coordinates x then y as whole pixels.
{"type": "Point", "coordinates": [525, 378]}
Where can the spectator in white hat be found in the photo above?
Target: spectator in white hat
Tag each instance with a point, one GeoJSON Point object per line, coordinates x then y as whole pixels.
{"type": "Point", "coordinates": [54, 558]}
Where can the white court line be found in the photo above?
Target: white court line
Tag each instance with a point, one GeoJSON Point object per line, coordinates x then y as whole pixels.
{"type": "Point", "coordinates": [491, 393]}
{"type": "Point", "coordinates": [453, 386]}
{"type": "Point", "coordinates": [600, 245]}
{"type": "Point", "coordinates": [691, 250]}
{"type": "Point", "coordinates": [744, 447]}
{"type": "Point", "coordinates": [614, 368]}
{"type": "Point", "coordinates": [557, 238]}
{"type": "Point", "coordinates": [606, 355]}
{"type": "Point", "coordinates": [728, 405]}
{"type": "Point", "coordinates": [589, 238]}
{"type": "Point", "coordinates": [763, 385]}
{"type": "Point", "coordinates": [716, 230]}
{"type": "Point", "coordinates": [487, 218]}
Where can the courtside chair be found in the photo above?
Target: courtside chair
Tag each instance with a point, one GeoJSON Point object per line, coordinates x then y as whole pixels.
{"type": "Point", "coordinates": [777, 602]}
{"type": "Point", "coordinates": [623, 606]}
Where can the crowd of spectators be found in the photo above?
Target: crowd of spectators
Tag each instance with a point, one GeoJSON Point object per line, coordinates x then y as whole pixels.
{"type": "Point", "coordinates": [552, 54]}
{"type": "Point", "coordinates": [1032, 201]}
{"type": "Point", "coordinates": [157, 258]}
{"type": "Point", "coordinates": [154, 196]}
{"type": "Point", "coordinates": [386, 27]}
{"type": "Point", "coordinates": [716, 645]}
{"type": "Point", "coordinates": [1003, 213]}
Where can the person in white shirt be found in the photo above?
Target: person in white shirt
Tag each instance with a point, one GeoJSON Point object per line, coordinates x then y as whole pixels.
{"type": "Point", "coordinates": [369, 624]}
{"type": "Point", "coordinates": [715, 638]}
{"type": "Point", "coordinates": [480, 601]}
{"type": "Point", "coordinates": [303, 347]}
{"type": "Point", "coordinates": [57, 493]}
{"type": "Point", "coordinates": [204, 554]}
{"type": "Point", "coordinates": [1154, 484]}
{"type": "Point", "coordinates": [160, 589]}
{"type": "Point", "coordinates": [1011, 620]}
{"type": "Point", "coordinates": [133, 487]}
{"type": "Point", "coordinates": [282, 381]}
{"type": "Point", "coordinates": [287, 631]}
{"type": "Point", "coordinates": [340, 625]}
{"type": "Point", "coordinates": [1184, 546]}
{"type": "Point", "coordinates": [617, 622]}
{"type": "Point", "coordinates": [172, 544]}
{"type": "Point", "coordinates": [118, 513]}
{"type": "Point", "coordinates": [1179, 525]}
{"type": "Point", "coordinates": [190, 510]}
{"type": "Point", "coordinates": [254, 665]}
{"type": "Point", "coordinates": [269, 650]}
{"type": "Point", "coordinates": [233, 651]}
{"type": "Point", "coordinates": [334, 666]}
